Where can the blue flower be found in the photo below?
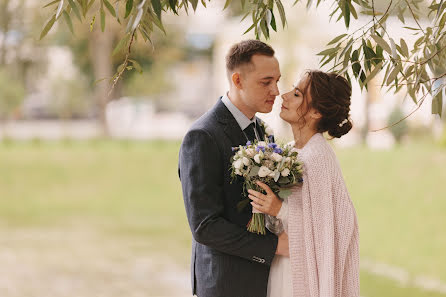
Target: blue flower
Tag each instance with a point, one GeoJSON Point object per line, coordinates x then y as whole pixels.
{"type": "Point", "coordinates": [272, 145]}
{"type": "Point", "coordinates": [260, 148]}
{"type": "Point", "coordinates": [271, 138]}
{"type": "Point", "coordinates": [234, 149]}
{"type": "Point", "coordinates": [248, 143]}
{"type": "Point", "coordinates": [278, 150]}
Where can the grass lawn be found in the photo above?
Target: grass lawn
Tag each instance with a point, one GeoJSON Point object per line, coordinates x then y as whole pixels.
{"type": "Point", "coordinates": [131, 190]}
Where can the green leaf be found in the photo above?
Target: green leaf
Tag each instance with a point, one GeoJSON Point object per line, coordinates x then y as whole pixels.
{"type": "Point", "coordinates": [347, 48]}
{"type": "Point", "coordinates": [110, 8]}
{"type": "Point", "coordinates": [393, 74]}
{"type": "Point", "coordinates": [352, 10]}
{"type": "Point", "coordinates": [93, 20]}
{"type": "Point", "coordinates": [439, 10]}
{"type": "Point", "coordinates": [51, 3]}
{"type": "Point", "coordinates": [442, 21]}
{"type": "Point", "coordinates": [284, 193]}
{"type": "Point", "coordinates": [194, 4]}
{"type": "Point", "coordinates": [346, 57]}
{"type": "Point", "coordinates": [159, 24]}
{"type": "Point", "coordinates": [328, 51]}
{"type": "Point", "coordinates": [68, 21]}
{"type": "Point", "coordinates": [172, 4]}
{"type": "Point", "coordinates": [372, 74]}
{"type": "Point", "coordinates": [136, 65]}
{"type": "Point", "coordinates": [411, 28]}
{"type": "Point", "coordinates": [121, 44]}
{"type": "Point", "coordinates": [273, 22]}
{"type": "Point", "coordinates": [84, 5]}
{"type": "Point", "coordinates": [264, 29]}
{"type": "Point", "coordinates": [382, 43]}
{"type": "Point", "coordinates": [393, 47]}
{"type": "Point", "coordinates": [227, 4]}
{"type": "Point", "coordinates": [346, 11]}
{"type": "Point", "coordinates": [250, 28]}
{"type": "Point", "coordinates": [121, 67]}
{"type": "Point", "coordinates": [128, 8]}
{"type": "Point", "coordinates": [336, 39]}
{"type": "Point", "coordinates": [254, 171]}
{"type": "Point", "coordinates": [370, 12]}
{"type": "Point", "coordinates": [156, 4]}
{"type": "Point", "coordinates": [90, 4]}
{"type": "Point", "coordinates": [356, 67]}
{"type": "Point", "coordinates": [99, 80]}
{"type": "Point", "coordinates": [145, 35]}
{"type": "Point", "coordinates": [75, 9]}
{"type": "Point", "coordinates": [59, 9]}
{"type": "Point", "coordinates": [331, 57]}
{"type": "Point", "coordinates": [102, 19]}
{"type": "Point", "coordinates": [437, 104]}
{"type": "Point", "coordinates": [281, 12]}
{"type": "Point", "coordinates": [48, 27]}
{"type": "Point", "coordinates": [404, 48]}
{"type": "Point", "coordinates": [409, 71]}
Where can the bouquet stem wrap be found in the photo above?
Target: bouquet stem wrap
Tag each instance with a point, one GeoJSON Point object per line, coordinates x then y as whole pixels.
{"type": "Point", "coordinates": [257, 222]}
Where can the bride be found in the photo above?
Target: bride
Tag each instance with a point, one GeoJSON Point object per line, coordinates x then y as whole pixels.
{"type": "Point", "coordinates": [318, 216]}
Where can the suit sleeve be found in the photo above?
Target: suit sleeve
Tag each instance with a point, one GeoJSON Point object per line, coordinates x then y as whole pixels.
{"type": "Point", "coordinates": [202, 179]}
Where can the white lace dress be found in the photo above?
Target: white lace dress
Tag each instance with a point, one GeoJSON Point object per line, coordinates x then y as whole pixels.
{"type": "Point", "coordinates": [279, 282]}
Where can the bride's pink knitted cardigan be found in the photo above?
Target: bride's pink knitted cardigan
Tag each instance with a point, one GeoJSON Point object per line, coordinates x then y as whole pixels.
{"type": "Point", "coordinates": [323, 228]}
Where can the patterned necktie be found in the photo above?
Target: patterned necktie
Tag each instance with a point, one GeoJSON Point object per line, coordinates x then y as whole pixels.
{"type": "Point", "coordinates": [250, 133]}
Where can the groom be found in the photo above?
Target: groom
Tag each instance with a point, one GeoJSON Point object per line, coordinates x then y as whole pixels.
{"type": "Point", "coordinates": [227, 260]}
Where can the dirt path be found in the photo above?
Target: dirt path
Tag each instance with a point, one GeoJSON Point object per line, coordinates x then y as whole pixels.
{"type": "Point", "coordinates": [80, 263]}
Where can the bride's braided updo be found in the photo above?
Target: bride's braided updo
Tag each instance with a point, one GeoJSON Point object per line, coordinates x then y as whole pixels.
{"type": "Point", "coordinates": [330, 95]}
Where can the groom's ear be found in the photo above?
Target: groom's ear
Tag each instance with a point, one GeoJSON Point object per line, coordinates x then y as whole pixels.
{"type": "Point", "coordinates": [236, 80]}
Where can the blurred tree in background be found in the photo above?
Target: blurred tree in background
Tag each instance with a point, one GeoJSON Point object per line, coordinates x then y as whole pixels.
{"type": "Point", "coordinates": [401, 129]}
{"type": "Point", "coordinates": [12, 92]}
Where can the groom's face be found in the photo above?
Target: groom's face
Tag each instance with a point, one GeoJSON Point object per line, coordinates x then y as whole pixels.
{"type": "Point", "coordinates": [259, 83]}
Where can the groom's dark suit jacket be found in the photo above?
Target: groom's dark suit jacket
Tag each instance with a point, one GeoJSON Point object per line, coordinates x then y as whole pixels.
{"type": "Point", "coordinates": [227, 260]}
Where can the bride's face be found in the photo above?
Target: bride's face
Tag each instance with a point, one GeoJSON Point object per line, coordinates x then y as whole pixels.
{"type": "Point", "coordinates": [294, 105]}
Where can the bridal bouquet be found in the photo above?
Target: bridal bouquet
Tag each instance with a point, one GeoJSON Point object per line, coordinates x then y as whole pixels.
{"type": "Point", "coordinates": [265, 161]}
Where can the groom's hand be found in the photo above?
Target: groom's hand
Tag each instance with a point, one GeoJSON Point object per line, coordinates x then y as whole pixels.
{"type": "Point", "coordinates": [283, 245]}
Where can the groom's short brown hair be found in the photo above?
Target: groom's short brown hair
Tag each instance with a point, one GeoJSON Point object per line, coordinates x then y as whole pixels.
{"type": "Point", "coordinates": [241, 53]}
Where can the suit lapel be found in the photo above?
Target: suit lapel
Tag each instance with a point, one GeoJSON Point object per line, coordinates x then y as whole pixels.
{"type": "Point", "coordinates": [229, 125]}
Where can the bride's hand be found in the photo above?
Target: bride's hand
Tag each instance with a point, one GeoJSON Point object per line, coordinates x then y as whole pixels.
{"type": "Point", "coordinates": [268, 204]}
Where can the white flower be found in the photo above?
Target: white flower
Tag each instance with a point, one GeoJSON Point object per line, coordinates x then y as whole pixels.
{"type": "Point", "coordinates": [285, 172]}
{"type": "Point", "coordinates": [294, 150]}
{"type": "Point", "coordinates": [268, 130]}
{"type": "Point", "coordinates": [264, 171]}
{"type": "Point", "coordinates": [238, 164]}
{"type": "Point", "coordinates": [288, 159]}
{"type": "Point", "coordinates": [250, 152]}
{"type": "Point", "coordinates": [261, 143]}
{"type": "Point", "coordinates": [276, 157]}
{"type": "Point", "coordinates": [245, 161]}
{"type": "Point", "coordinates": [257, 158]}
{"type": "Point", "coordinates": [272, 174]}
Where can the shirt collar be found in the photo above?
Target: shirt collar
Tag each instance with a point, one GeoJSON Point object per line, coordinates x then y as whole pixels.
{"type": "Point", "coordinates": [242, 120]}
